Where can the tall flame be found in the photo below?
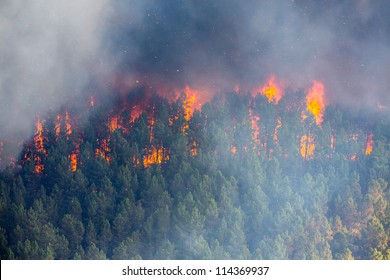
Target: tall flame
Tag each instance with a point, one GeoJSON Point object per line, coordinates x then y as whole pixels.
{"type": "Point", "coordinates": [307, 147]}
{"type": "Point", "coordinates": [370, 144]}
{"type": "Point", "coordinates": [189, 102]}
{"type": "Point", "coordinates": [38, 142]}
{"type": "Point", "coordinates": [272, 90]}
{"type": "Point", "coordinates": [73, 162]}
{"type": "Point", "coordinates": [315, 101]}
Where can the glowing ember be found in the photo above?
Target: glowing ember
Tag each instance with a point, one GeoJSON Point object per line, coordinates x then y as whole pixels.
{"type": "Point", "coordinates": [307, 147]}
{"type": "Point", "coordinates": [370, 144]}
{"type": "Point", "coordinates": [272, 90]}
{"type": "Point", "coordinates": [315, 101]}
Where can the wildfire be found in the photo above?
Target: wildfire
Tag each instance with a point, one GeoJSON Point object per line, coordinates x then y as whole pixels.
{"type": "Point", "coordinates": [255, 126]}
{"type": "Point", "coordinates": [189, 102]}
{"type": "Point", "coordinates": [135, 113]}
{"type": "Point", "coordinates": [272, 90]}
{"type": "Point", "coordinates": [370, 144]}
{"type": "Point", "coordinates": [307, 147]}
{"type": "Point", "coordinates": [57, 125]}
{"type": "Point", "coordinates": [194, 149]}
{"type": "Point", "coordinates": [234, 149]}
{"type": "Point", "coordinates": [68, 126]}
{"type": "Point", "coordinates": [113, 123]}
{"type": "Point", "coordinates": [38, 142]}
{"type": "Point", "coordinates": [155, 156]}
{"type": "Point", "coordinates": [104, 150]}
{"type": "Point", "coordinates": [279, 125]}
{"type": "Point", "coordinates": [315, 101]}
{"type": "Point", "coordinates": [73, 162]}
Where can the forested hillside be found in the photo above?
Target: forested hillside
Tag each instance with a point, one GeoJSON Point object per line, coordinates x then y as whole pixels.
{"type": "Point", "coordinates": [243, 177]}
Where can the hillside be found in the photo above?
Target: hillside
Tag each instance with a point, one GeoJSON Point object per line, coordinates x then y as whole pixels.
{"type": "Point", "coordinates": [241, 177]}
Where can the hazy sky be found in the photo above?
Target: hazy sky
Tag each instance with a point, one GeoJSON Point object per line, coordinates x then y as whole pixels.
{"type": "Point", "coordinates": [52, 51]}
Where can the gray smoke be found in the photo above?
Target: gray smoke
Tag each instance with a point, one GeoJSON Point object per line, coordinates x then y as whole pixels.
{"type": "Point", "coordinates": [50, 51]}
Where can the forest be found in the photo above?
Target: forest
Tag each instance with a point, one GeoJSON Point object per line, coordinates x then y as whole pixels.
{"type": "Point", "coordinates": [241, 177]}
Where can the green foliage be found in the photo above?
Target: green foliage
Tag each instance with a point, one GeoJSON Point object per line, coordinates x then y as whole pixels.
{"type": "Point", "coordinates": [262, 201]}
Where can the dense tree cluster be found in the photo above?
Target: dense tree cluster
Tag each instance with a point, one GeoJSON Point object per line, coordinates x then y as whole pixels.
{"type": "Point", "coordinates": [223, 191]}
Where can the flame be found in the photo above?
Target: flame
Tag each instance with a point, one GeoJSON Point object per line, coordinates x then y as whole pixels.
{"type": "Point", "coordinates": [234, 149]}
{"type": "Point", "coordinates": [307, 147]}
{"type": "Point", "coordinates": [155, 156]}
{"type": "Point", "coordinates": [113, 123]}
{"type": "Point", "coordinates": [315, 101]}
{"type": "Point", "coordinates": [272, 90]}
{"type": "Point", "coordinates": [135, 113]}
{"type": "Point", "coordinates": [370, 143]}
{"type": "Point", "coordinates": [189, 102]}
{"type": "Point", "coordinates": [279, 125]}
{"type": "Point", "coordinates": [39, 145]}
{"type": "Point", "coordinates": [194, 149]}
{"type": "Point", "coordinates": [73, 162]}
{"type": "Point", "coordinates": [104, 150]}
{"type": "Point", "coordinates": [68, 126]}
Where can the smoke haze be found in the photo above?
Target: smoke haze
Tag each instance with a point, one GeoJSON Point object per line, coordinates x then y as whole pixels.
{"type": "Point", "coordinates": [50, 51]}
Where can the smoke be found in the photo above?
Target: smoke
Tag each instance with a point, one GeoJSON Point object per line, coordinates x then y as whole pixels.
{"type": "Point", "coordinates": [51, 51]}
{"type": "Point", "coordinates": [217, 44]}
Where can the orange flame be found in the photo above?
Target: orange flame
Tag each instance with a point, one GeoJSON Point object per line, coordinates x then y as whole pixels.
{"type": "Point", "coordinates": [194, 149]}
{"type": "Point", "coordinates": [104, 150]}
{"type": "Point", "coordinates": [155, 156]}
{"type": "Point", "coordinates": [113, 123]}
{"type": "Point", "coordinates": [370, 144]}
{"type": "Point", "coordinates": [39, 145]}
{"type": "Point", "coordinates": [315, 101]}
{"type": "Point", "coordinates": [234, 149]}
{"type": "Point", "coordinates": [307, 147]}
{"type": "Point", "coordinates": [189, 102]}
{"type": "Point", "coordinates": [68, 126]}
{"type": "Point", "coordinates": [73, 162]}
{"type": "Point", "coordinates": [272, 90]}
{"type": "Point", "coordinates": [135, 113]}
{"type": "Point", "coordinates": [57, 126]}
